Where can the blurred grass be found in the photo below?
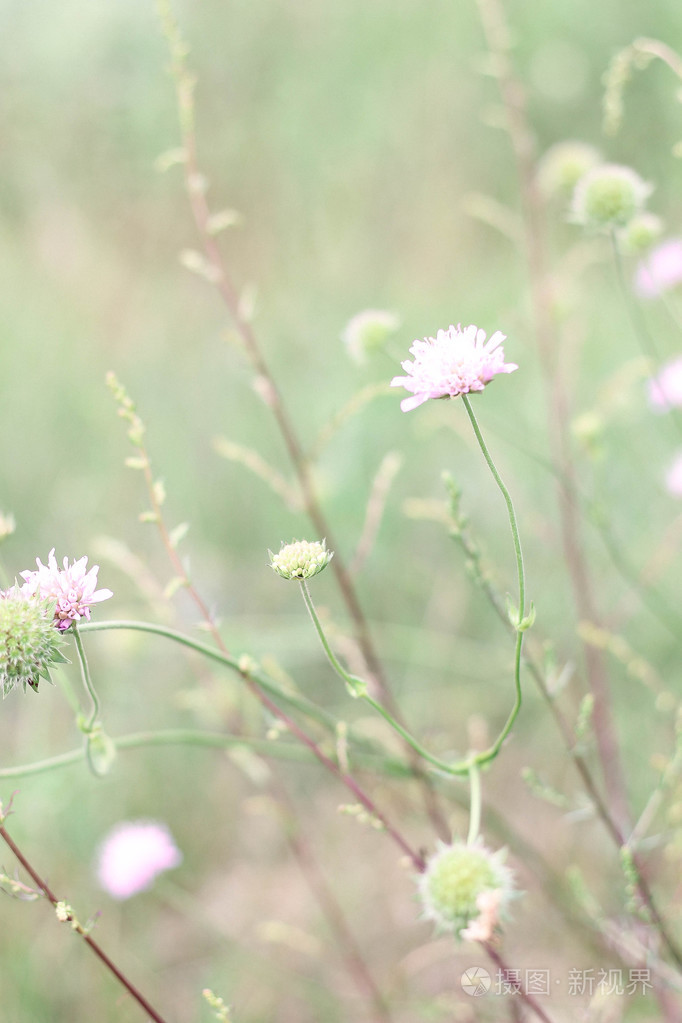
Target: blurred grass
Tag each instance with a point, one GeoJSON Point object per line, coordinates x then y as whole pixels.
{"type": "Point", "coordinates": [348, 136]}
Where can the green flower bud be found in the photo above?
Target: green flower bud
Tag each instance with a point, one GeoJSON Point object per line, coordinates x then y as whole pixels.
{"type": "Point", "coordinates": [7, 525]}
{"type": "Point", "coordinates": [29, 642]}
{"type": "Point", "coordinates": [368, 332]}
{"type": "Point", "coordinates": [465, 889]}
{"type": "Point", "coordinates": [641, 232]}
{"type": "Point", "coordinates": [563, 165]}
{"type": "Point", "coordinates": [301, 559]}
{"type": "Point", "coordinates": [608, 197]}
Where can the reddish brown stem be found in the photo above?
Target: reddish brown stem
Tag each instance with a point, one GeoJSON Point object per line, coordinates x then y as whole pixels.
{"type": "Point", "coordinates": [332, 911]}
{"type": "Point", "coordinates": [99, 952]}
{"type": "Point", "coordinates": [507, 974]}
{"type": "Point", "coordinates": [196, 191]}
{"type": "Point", "coordinates": [542, 298]}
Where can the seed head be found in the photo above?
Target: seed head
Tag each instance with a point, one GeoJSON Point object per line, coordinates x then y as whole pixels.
{"type": "Point", "coordinates": [465, 889]}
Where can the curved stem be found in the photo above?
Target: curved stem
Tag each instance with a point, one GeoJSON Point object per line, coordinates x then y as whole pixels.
{"type": "Point", "coordinates": [87, 680]}
{"type": "Point", "coordinates": [243, 667]}
{"type": "Point", "coordinates": [255, 682]}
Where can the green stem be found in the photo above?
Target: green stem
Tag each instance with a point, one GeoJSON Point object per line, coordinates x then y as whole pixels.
{"type": "Point", "coordinates": [475, 804]}
{"type": "Point", "coordinates": [495, 748]}
{"type": "Point", "coordinates": [358, 688]}
{"type": "Point", "coordinates": [212, 740]}
{"type": "Point", "coordinates": [245, 670]}
{"type": "Point", "coordinates": [87, 680]}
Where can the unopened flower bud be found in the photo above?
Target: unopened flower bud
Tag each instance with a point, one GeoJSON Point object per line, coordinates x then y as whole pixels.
{"type": "Point", "coordinates": [641, 232]}
{"type": "Point", "coordinates": [563, 165]}
{"type": "Point", "coordinates": [368, 332]}
{"type": "Point", "coordinates": [301, 559]}
{"type": "Point", "coordinates": [465, 889]}
{"type": "Point", "coordinates": [7, 526]}
{"type": "Point", "coordinates": [609, 196]}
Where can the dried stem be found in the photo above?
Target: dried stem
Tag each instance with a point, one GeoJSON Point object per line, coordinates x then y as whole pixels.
{"type": "Point", "coordinates": [220, 276]}
{"type": "Point", "coordinates": [332, 910]}
{"type": "Point", "coordinates": [523, 143]}
{"type": "Point", "coordinates": [518, 990]}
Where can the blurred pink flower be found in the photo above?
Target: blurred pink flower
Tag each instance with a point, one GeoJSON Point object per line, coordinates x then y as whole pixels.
{"type": "Point", "coordinates": [665, 389]}
{"type": "Point", "coordinates": [457, 361]}
{"type": "Point", "coordinates": [483, 926]}
{"type": "Point", "coordinates": [661, 270]}
{"type": "Point", "coordinates": [673, 477]}
{"type": "Point", "coordinates": [133, 854]}
{"type": "Point", "coordinates": [72, 587]}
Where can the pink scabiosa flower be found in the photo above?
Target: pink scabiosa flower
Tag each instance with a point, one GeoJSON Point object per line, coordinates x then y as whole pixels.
{"type": "Point", "coordinates": [665, 389]}
{"type": "Point", "coordinates": [661, 270]}
{"type": "Point", "coordinates": [456, 361]}
{"type": "Point", "coordinates": [72, 588]}
{"type": "Point", "coordinates": [132, 855]}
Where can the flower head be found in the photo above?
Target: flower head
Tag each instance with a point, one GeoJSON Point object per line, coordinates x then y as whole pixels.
{"type": "Point", "coordinates": [132, 855]}
{"type": "Point", "coordinates": [661, 270]}
{"type": "Point", "coordinates": [665, 389]}
{"type": "Point", "coordinates": [640, 233]}
{"type": "Point", "coordinates": [301, 559]}
{"type": "Point", "coordinates": [455, 361]}
{"type": "Point", "coordinates": [608, 196]}
{"type": "Point", "coordinates": [465, 889]}
{"type": "Point", "coordinates": [72, 588]}
{"type": "Point", "coordinates": [564, 163]}
{"type": "Point", "coordinates": [368, 331]}
{"type": "Point", "coordinates": [29, 644]}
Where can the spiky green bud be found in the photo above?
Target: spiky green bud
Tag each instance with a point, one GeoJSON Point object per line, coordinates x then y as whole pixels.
{"type": "Point", "coordinates": [563, 165]}
{"type": "Point", "coordinates": [29, 642]}
{"type": "Point", "coordinates": [608, 197]}
{"type": "Point", "coordinates": [301, 559]}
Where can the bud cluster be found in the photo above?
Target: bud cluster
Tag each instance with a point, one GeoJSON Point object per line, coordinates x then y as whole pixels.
{"type": "Point", "coordinates": [301, 559]}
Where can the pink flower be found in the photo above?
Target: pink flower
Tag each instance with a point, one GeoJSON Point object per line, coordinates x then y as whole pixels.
{"type": "Point", "coordinates": [665, 390]}
{"type": "Point", "coordinates": [132, 855]}
{"type": "Point", "coordinates": [483, 926]}
{"type": "Point", "coordinates": [673, 477]}
{"type": "Point", "coordinates": [72, 587]}
{"type": "Point", "coordinates": [661, 270]}
{"type": "Point", "coordinates": [455, 362]}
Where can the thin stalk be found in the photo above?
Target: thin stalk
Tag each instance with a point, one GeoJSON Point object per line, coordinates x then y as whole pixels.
{"type": "Point", "coordinates": [87, 680]}
{"type": "Point", "coordinates": [253, 680]}
{"type": "Point", "coordinates": [301, 463]}
{"type": "Point", "coordinates": [331, 909]}
{"type": "Point", "coordinates": [99, 952]}
{"type": "Point", "coordinates": [207, 740]}
{"type": "Point", "coordinates": [475, 805]}
{"type": "Point", "coordinates": [549, 348]}
{"type": "Point", "coordinates": [518, 990]}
